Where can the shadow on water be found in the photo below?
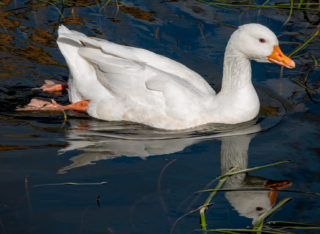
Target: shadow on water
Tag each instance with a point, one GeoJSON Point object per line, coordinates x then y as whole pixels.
{"type": "Point", "coordinates": [145, 194]}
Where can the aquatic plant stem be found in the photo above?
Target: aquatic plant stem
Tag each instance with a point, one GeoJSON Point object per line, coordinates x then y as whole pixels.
{"type": "Point", "coordinates": [259, 228]}
{"type": "Point", "coordinates": [65, 118]}
{"type": "Point", "coordinates": [306, 78]}
{"type": "Point", "coordinates": [302, 85]}
{"type": "Point", "coordinates": [59, 20]}
{"type": "Point", "coordinates": [264, 216]}
{"type": "Point", "coordinates": [253, 169]}
{"type": "Point", "coordinates": [70, 183]}
{"type": "Point", "coordinates": [290, 13]}
{"type": "Point", "coordinates": [239, 231]}
{"type": "Point", "coordinates": [104, 5]}
{"type": "Point", "coordinates": [164, 206]}
{"type": "Point", "coordinates": [293, 223]}
{"type": "Point", "coordinates": [304, 44]}
{"type": "Point", "coordinates": [257, 189]}
{"type": "Point", "coordinates": [204, 208]}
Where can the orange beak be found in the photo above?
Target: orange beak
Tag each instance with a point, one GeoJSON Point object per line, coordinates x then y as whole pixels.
{"type": "Point", "coordinates": [279, 58]}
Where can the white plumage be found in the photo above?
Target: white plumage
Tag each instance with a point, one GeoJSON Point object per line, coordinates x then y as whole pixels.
{"type": "Point", "coordinates": [132, 84]}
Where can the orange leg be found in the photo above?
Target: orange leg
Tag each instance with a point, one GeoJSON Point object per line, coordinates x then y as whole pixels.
{"type": "Point", "coordinates": [37, 104]}
{"type": "Point", "coordinates": [56, 88]}
{"type": "Point", "coordinates": [78, 106]}
{"type": "Point", "coordinates": [53, 86]}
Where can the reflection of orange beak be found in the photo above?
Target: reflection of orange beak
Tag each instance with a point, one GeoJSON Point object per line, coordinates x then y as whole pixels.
{"type": "Point", "coordinates": [273, 197]}
{"type": "Point", "coordinates": [279, 58]}
{"type": "Point", "coordinates": [273, 184]}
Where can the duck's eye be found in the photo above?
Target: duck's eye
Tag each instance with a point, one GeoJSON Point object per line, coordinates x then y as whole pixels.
{"type": "Point", "coordinates": [262, 40]}
{"type": "Point", "coordinates": [259, 208]}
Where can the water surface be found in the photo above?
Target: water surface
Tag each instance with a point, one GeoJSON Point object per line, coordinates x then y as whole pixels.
{"type": "Point", "coordinates": [151, 175]}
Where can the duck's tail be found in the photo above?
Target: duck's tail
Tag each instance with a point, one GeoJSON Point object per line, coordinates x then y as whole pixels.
{"type": "Point", "coordinates": [81, 71]}
{"type": "Point", "coordinates": [78, 37]}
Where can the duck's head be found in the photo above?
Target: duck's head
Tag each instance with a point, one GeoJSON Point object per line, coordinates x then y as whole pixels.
{"type": "Point", "coordinates": [259, 43]}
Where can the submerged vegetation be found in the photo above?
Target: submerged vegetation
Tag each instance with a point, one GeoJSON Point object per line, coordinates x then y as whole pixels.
{"type": "Point", "coordinates": [261, 225]}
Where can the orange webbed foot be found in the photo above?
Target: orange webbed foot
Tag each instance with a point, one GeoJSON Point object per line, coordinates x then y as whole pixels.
{"type": "Point", "coordinates": [78, 106]}
{"type": "Point", "coordinates": [37, 104]}
{"type": "Point", "coordinates": [53, 86]}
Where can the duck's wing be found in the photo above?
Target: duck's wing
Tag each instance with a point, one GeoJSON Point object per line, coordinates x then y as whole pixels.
{"type": "Point", "coordinates": [141, 56]}
{"type": "Point", "coordinates": [142, 86]}
{"type": "Point", "coordinates": [146, 87]}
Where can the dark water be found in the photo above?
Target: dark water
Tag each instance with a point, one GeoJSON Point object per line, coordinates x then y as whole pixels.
{"type": "Point", "coordinates": [151, 175]}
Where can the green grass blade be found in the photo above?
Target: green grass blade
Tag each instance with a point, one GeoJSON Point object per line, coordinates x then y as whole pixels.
{"type": "Point", "coordinates": [80, 4]}
{"type": "Point", "coordinates": [54, 7]}
{"type": "Point", "coordinates": [302, 46]}
{"type": "Point", "coordinates": [1, 3]}
{"type": "Point", "coordinates": [225, 230]}
{"type": "Point", "coordinates": [315, 61]}
{"type": "Point", "coordinates": [265, 2]}
{"type": "Point", "coordinates": [292, 223]}
{"type": "Point", "coordinates": [202, 210]}
{"type": "Point", "coordinates": [253, 169]}
{"type": "Point", "coordinates": [220, 184]}
{"type": "Point", "coordinates": [298, 4]}
{"type": "Point", "coordinates": [71, 183]}
{"type": "Point", "coordinates": [263, 217]}
{"type": "Point", "coordinates": [219, 5]}
{"type": "Point", "coordinates": [259, 229]}
{"type": "Point", "coordinates": [203, 219]}
{"type": "Point", "coordinates": [302, 85]}
{"type": "Point", "coordinates": [257, 189]}
{"type": "Point", "coordinates": [226, 25]}
{"type": "Point", "coordinates": [219, 230]}
{"type": "Point", "coordinates": [297, 56]}
{"type": "Point", "coordinates": [298, 43]}
{"type": "Point", "coordinates": [290, 13]}
{"type": "Point", "coordinates": [303, 228]}
{"type": "Point", "coordinates": [107, 2]}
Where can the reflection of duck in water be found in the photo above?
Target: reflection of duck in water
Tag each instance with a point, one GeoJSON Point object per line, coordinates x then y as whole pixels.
{"type": "Point", "coordinates": [99, 142]}
{"type": "Point", "coordinates": [251, 204]}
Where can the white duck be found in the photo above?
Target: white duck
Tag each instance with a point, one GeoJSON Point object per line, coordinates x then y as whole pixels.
{"type": "Point", "coordinates": [115, 82]}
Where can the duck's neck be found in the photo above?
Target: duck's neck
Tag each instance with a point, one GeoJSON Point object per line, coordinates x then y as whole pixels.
{"type": "Point", "coordinates": [237, 101]}
{"type": "Point", "coordinates": [234, 151]}
{"type": "Point", "coordinates": [236, 71]}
